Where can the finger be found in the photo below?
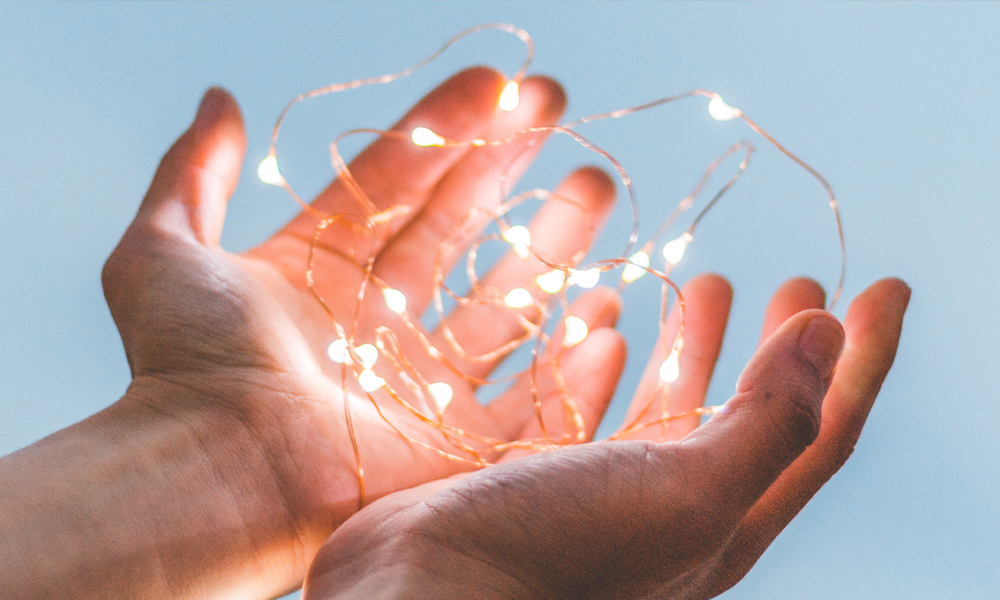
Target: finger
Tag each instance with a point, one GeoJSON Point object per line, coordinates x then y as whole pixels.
{"type": "Point", "coordinates": [561, 231]}
{"type": "Point", "coordinates": [773, 417]}
{"type": "Point", "coordinates": [394, 172]}
{"type": "Point", "coordinates": [707, 299]}
{"type": "Point", "coordinates": [872, 328]}
{"type": "Point", "coordinates": [471, 185]}
{"type": "Point", "coordinates": [794, 296]}
{"type": "Point", "coordinates": [199, 173]}
{"type": "Point", "coordinates": [514, 410]}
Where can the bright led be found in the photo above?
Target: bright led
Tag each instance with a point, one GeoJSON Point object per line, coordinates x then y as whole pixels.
{"type": "Point", "coordinates": [519, 238]}
{"type": "Point", "coordinates": [576, 331]}
{"type": "Point", "coordinates": [395, 300]}
{"type": "Point", "coordinates": [422, 136]}
{"type": "Point", "coordinates": [639, 261]}
{"type": "Point", "coordinates": [442, 394]}
{"type": "Point", "coordinates": [268, 172]}
{"type": "Point", "coordinates": [370, 381]}
{"type": "Point", "coordinates": [368, 355]}
{"type": "Point", "coordinates": [673, 251]}
{"type": "Point", "coordinates": [510, 97]}
{"type": "Point", "coordinates": [552, 281]}
{"type": "Point", "coordinates": [337, 351]}
{"type": "Point", "coordinates": [671, 368]}
{"type": "Point", "coordinates": [721, 111]}
{"type": "Point", "coordinates": [585, 279]}
{"type": "Point", "coordinates": [518, 298]}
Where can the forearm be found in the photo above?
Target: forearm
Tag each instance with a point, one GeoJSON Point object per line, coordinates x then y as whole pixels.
{"type": "Point", "coordinates": [136, 503]}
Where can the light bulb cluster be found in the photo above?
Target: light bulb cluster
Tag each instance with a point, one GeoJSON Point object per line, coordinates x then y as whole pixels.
{"type": "Point", "coordinates": [388, 376]}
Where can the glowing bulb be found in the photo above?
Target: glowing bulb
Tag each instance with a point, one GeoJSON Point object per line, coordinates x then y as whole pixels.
{"type": "Point", "coordinates": [442, 394]}
{"type": "Point", "coordinates": [395, 300]}
{"type": "Point", "coordinates": [576, 331]}
{"type": "Point", "coordinates": [337, 351]}
{"type": "Point", "coordinates": [519, 238]}
{"type": "Point", "coordinates": [268, 172]}
{"type": "Point", "coordinates": [721, 111]}
{"type": "Point", "coordinates": [673, 251]}
{"type": "Point", "coordinates": [552, 281]}
{"type": "Point", "coordinates": [370, 381]}
{"type": "Point", "coordinates": [422, 136]}
{"type": "Point", "coordinates": [639, 261]}
{"type": "Point", "coordinates": [585, 279]}
{"type": "Point", "coordinates": [671, 368]}
{"type": "Point", "coordinates": [518, 298]}
{"type": "Point", "coordinates": [368, 355]}
{"type": "Point", "coordinates": [510, 97]}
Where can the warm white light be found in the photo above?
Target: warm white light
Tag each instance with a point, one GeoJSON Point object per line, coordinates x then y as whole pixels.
{"type": "Point", "coordinates": [585, 279]}
{"type": "Point", "coordinates": [673, 251]}
{"type": "Point", "coordinates": [552, 281]}
{"type": "Point", "coordinates": [368, 355]}
{"type": "Point", "coordinates": [519, 238]}
{"type": "Point", "coordinates": [576, 331]}
{"type": "Point", "coordinates": [337, 351]}
{"type": "Point", "coordinates": [422, 136]}
{"type": "Point", "coordinates": [671, 368]}
{"type": "Point", "coordinates": [721, 111]}
{"type": "Point", "coordinates": [518, 298]}
{"type": "Point", "coordinates": [631, 272]}
{"type": "Point", "coordinates": [395, 300]}
{"type": "Point", "coordinates": [268, 172]}
{"type": "Point", "coordinates": [442, 394]}
{"type": "Point", "coordinates": [370, 381]}
{"type": "Point", "coordinates": [510, 97]}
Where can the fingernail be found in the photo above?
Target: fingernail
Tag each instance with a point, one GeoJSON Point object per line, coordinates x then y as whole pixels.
{"type": "Point", "coordinates": [211, 106]}
{"type": "Point", "coordinates": [821, 342]}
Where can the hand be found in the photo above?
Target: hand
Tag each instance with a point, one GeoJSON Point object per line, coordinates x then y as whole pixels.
{"type": "Point", "coordinates": [228, 461]}
{"type": "Point", "coordinates": [638, 519]}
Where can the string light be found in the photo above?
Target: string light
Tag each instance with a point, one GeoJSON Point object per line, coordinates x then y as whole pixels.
{"type": "Point", "coordinates": [721, 111]}
{"type": "Point", "coordinates": [637, 267]}
{"type": "Point", "coordinates": [551, 282]}
{"type": "Point", "coordinates": [518, 298]}
{"type": "Point", "coordinates": [422, 136]}
{"type": "Point", "coordinates": [673, 251]}
{"type": "Point", "coordinates": [576, 331]}
{"type": "Point", "coordinates": [586, 279]}
{"type": "Point", "coordinates": [268, 172]}
{"type": "Point", "coordinates": [395, 300]}
{"type": "Point", "coordinates": [442, 393]}
{"type": "Point", "coordinates": [520, 240]}
{"type": "Point", "coordinates": [510, 97]}
{"type": "Point", "coordinates": [403, 364]}
{"type": "Point", "coordinates": [670, 370]}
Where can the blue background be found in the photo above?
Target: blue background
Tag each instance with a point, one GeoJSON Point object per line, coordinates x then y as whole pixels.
{"type": "Point", "coordinates": [897, 105]}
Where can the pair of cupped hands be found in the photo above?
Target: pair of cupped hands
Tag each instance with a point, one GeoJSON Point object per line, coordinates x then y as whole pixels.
{"type": "Point", "coordinates": [240, 478]}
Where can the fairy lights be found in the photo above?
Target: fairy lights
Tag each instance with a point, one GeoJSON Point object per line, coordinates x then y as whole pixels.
{"type": "Point", "coordinates": [424, 137]}
{"type": "Point", "coordinates": [576, 331]}
{"type": "Point", "coordinates": [518, 298]}
{"type": "Point", "coordinates": [268, 171]}
{"type": "Point", "coordinates": [394, 375]}
{"type": "Point", "coordinates": [510, 97]}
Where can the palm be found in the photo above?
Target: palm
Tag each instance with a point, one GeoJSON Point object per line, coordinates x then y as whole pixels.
{"type": "Point", "coordinates": [639, 519]}
{"type": "Point", "coordinates": [247, 336]}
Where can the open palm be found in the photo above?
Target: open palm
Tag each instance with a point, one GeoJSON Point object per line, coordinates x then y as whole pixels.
{"type": "Point", "coordinates": [241, 338]}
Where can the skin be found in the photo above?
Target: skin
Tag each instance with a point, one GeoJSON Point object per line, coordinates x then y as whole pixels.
{"type": "Point", "coordinates": [227, 464]}
{"type": "Point", "coordinates": [685, 518]}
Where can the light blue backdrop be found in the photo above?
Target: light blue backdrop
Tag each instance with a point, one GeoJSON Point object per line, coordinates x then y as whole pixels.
{"type": "Point", "coordinates": [896, 104]}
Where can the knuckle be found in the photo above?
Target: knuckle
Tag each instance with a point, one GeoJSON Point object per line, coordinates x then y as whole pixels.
{"type": "Point", "coordinates": [797, 418]}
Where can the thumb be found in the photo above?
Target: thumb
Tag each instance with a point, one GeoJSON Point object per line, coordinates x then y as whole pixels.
{"type": "Point", "coordinates": [775, 414]}
{"type": "Point", "coordinates": [199, 173]}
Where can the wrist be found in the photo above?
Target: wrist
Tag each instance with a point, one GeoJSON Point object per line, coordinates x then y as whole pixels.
{"type": "Point", "coordinates": [160, 495]}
